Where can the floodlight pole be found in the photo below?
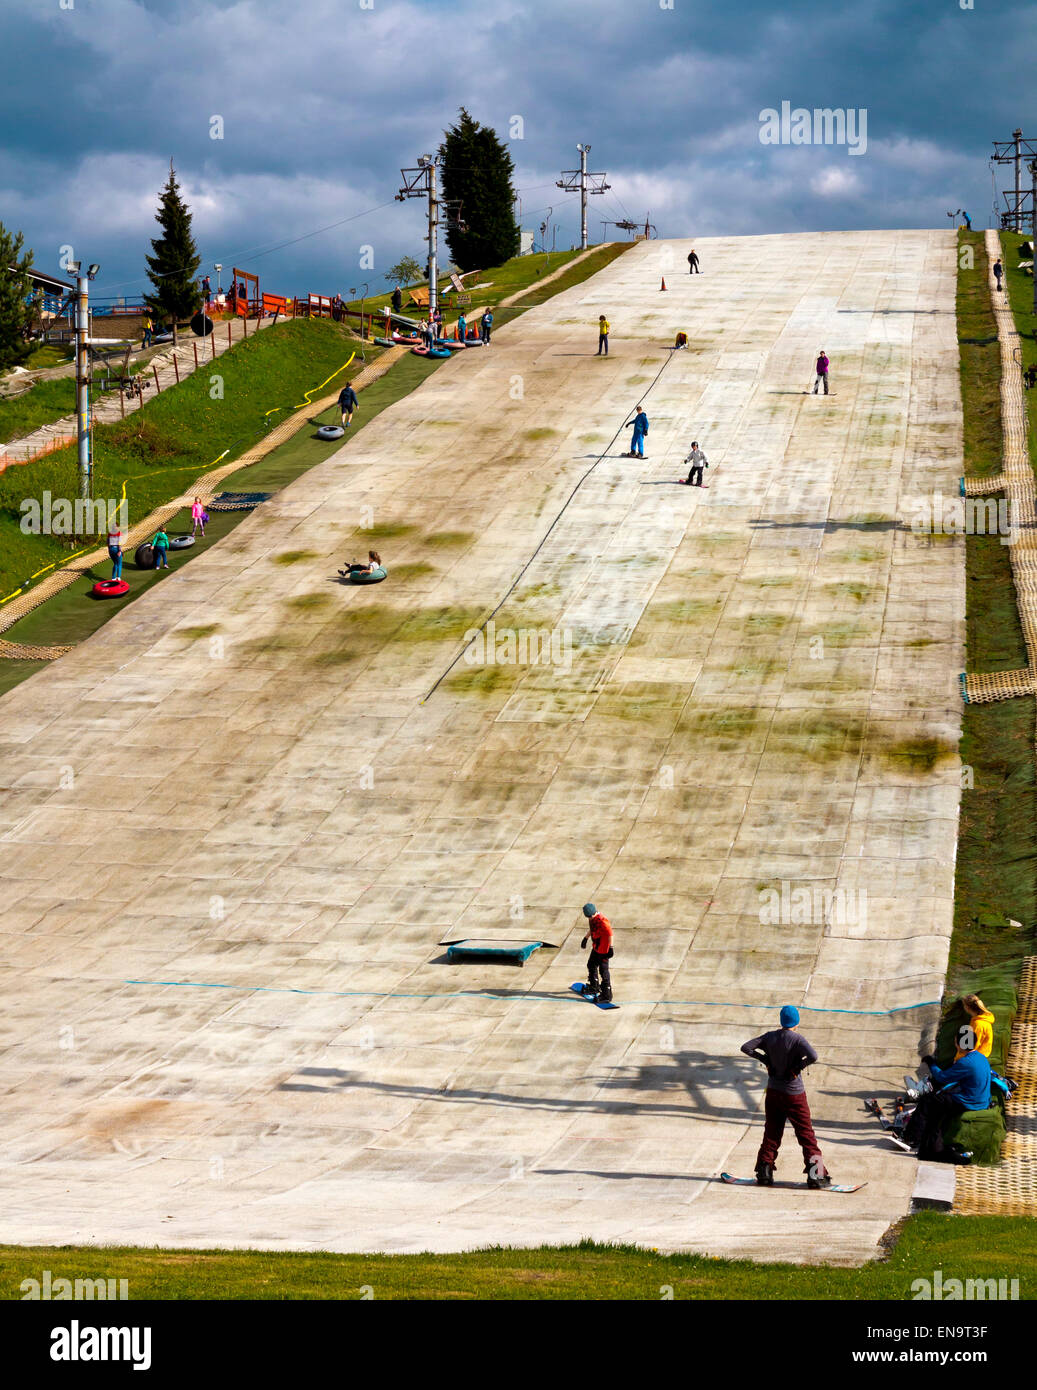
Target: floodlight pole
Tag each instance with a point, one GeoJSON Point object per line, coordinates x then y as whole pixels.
{"type": "Point", "coordinates": [83, 383]}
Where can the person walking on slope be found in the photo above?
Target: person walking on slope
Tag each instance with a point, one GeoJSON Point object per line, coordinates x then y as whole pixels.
{"type": "Point", "coordinates": [347, 403]}
{"type": "Point", "coordinates": [599, 930]}
{"type": "Point", "coordinates": [786, 1053]}
{"type": "Point", "coordinates": [821, 368]}
{"type": "Point", "coordinates": [693, 262]}
{"type": "Point", "coordinates": [603, 334]}
{"type": "Point", "coordinates": [698, 462]}
{"type": "Point", "coordinates": [998, 270]}
{"type": "Point", "coordinates": [637, 442]}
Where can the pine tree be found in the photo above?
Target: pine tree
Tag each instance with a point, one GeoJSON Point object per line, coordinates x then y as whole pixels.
{"type": "Point", "coordinates": [173, 267]}
{"type": "Point", "coordinates": [477, 169]}
{"type": "Point", "coordinates": [16, 306]}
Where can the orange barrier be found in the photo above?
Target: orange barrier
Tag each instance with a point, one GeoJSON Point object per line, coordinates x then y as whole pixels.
{"type": "Point", "coordinates": [274, 304]}
{"type": "Point", "coordinates": [60, 442]}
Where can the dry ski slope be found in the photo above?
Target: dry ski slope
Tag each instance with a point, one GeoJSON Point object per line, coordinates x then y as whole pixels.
{"type": "Point", "coordinates": [234, 836]}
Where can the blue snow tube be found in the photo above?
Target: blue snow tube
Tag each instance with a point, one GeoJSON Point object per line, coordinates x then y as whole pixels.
{"type": "Point", "coordinates": [374, 576]}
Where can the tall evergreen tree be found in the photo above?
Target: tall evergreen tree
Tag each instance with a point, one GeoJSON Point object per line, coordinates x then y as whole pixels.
{"type": "Point", "coordinates": [477, 169]}
{"type": "Point", "coordinates": [174, 265]}
{"type": "Point", "coordinates": [16, 307]}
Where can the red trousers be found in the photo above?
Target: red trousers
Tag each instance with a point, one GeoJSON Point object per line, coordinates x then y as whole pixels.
{"type": "Point", "coordinates": [779, 1107]}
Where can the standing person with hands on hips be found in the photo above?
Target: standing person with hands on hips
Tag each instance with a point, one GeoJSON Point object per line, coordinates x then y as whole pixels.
{"type": "Point", "coordinates": [786, 1054]}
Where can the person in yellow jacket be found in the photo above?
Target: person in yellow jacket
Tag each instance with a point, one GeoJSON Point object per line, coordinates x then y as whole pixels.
{"type": "Point", "coordinates": [603, 334]}
{"type": "Point", "coordinates": [980, 1025]}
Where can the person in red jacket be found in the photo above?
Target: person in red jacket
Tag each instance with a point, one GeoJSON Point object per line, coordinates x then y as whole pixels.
{"type": "Point", "coordinates": [599, 929]}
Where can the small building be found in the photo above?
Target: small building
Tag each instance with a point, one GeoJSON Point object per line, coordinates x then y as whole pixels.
{"type": "Point", "coordinates": [54, 290]}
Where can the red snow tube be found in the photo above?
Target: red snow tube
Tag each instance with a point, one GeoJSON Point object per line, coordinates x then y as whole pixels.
{"type": "Point", "coordinates": [110, 588]}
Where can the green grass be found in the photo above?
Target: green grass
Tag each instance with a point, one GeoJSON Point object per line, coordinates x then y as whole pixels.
{"type": "Point", "coordinates": [996, 874]}
{"type": "Point", "coordinates": [156, 452]}
{"type": "Point", "coordinates": [975, 1247]}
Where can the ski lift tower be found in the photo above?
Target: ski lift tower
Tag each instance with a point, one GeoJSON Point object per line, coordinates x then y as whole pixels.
{"type": "Point", "coordinates": [1019, 208]}
{"type": "Point", "coordinates": [573, 179]}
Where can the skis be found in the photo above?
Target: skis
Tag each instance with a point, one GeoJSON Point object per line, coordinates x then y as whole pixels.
{"type": "Point", "coordinates": [833, 1187]}
{"type": "Point", "coordinates": [581, 989]}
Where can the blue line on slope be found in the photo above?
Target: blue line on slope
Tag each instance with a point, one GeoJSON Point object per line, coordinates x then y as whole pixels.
{"type": "Point", "coordinates": [489, 994]}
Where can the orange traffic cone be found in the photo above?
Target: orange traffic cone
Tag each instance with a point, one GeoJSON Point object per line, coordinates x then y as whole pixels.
{"type": "Point", "coordinates": [663, 285]}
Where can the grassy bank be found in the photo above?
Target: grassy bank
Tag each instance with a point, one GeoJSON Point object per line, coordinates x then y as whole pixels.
{"type": "Point", "coordinates": [979, 1247]}
{"type": "Point", "coordinates": [155, 453]}
{"type": "Point", "coordinates": [996, 876]}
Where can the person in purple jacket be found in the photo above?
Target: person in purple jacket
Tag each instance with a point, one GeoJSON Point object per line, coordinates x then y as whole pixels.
{"type": "Point", "coordinates": [821, 368]}
{"type": "Point", "coordinates": [786, 1054]}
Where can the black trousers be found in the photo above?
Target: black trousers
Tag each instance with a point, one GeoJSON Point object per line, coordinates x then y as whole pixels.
{"type": "Point", "coordinates": [926, 1125]}
{"type": "Point", "coordinates": [696, 468]}
{"type": "Point", "coordinates": [598, 966]}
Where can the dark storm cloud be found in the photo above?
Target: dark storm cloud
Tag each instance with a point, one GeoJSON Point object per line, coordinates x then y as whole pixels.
{"type": "Point", "coordinates": [321, 102]}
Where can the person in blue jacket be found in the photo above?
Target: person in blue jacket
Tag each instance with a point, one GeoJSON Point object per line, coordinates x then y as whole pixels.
{"type": "Point", "coordinates": [637, 443]}
{"type": "Point", "coordinates": [963, 1086]}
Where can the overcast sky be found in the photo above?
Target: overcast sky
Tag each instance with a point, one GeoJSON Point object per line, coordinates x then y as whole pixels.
{"type": "Point", "coordinates": [323, 101]}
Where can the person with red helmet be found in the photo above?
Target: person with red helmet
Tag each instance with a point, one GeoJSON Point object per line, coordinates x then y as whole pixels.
{"type": "Point", "coordinates": [599, 930]}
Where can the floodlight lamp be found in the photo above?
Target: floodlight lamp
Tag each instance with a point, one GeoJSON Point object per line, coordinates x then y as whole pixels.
{"type": "Point", "coordinates": [93, 270]}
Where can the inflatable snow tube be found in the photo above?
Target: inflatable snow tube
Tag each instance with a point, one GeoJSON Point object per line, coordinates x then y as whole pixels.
{"type": "Point", "coordinates": [385, 342]}
{"type": "Point", "coordinates": [450, 343]}
{"type": "Point", "coordinates": [110, 588]}
{"type": "Point", "coordinates": [330, 432]}
{"type": "Point", "coordinates": [426, 352]}
{"type": "Point", "coordinates": [144, 558]}
{"type": "Point", "coordinates": [180, 542]}
{"type": "Point", "coordinates": [374, 576]}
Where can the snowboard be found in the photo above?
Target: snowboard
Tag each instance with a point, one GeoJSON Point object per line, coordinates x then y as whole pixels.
{"type": "Point", "coordinates": [580, 989]}
{"type": "Point", "coordinates": [835, 1187]}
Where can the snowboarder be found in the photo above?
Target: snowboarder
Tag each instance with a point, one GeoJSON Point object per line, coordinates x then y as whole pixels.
{"type": "Point", "coordinates": [693, 262]}
{"type": "Point", "coordinates": [681, 341]}
{"type": "Point", "coordinates": [347, 402]}
{"type": "Point", "coordinates": [821, 368]}
{"type": "Point", "coordinates": [698, 462]}
{"type": "Point", "coordinates": [603, 334]}
{"type": "Point", "coordinates": [998, 270]}
{"type": "Point", "coordinates": [637, 442]}
{"type": "Point", "coordinates": [599, 930]}
{"type": "Point", "coordinates": [785, 1053]}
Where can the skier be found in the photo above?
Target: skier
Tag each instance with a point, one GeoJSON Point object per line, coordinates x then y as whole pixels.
{"type": "Point", "coordinates": [998, 270]}
{"type": "Point", "coordinates": [603, 334]}
{"type": "Point", "coordinates": [821, 368]}
{"type": "Point", "coordinates": [698, 462]}
{"type": "Point", "coordinates": [693, 262]}
{"type": "Point", "coordinates": [785, 1053]}
{"type": "Point", "coordinates": [599, 929]}
{"type": "Point", "coordinates": [637, 442]}
{"type": "Point", "coordinates": [347, 403]}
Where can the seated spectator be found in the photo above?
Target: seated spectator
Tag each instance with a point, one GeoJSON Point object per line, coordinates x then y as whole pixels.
{"type": "Point", "coordinates": [963, 1086]}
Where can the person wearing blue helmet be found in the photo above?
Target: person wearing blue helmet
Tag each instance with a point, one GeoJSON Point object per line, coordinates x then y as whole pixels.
{"type": "Point", "coordinates": [786, 1054]}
